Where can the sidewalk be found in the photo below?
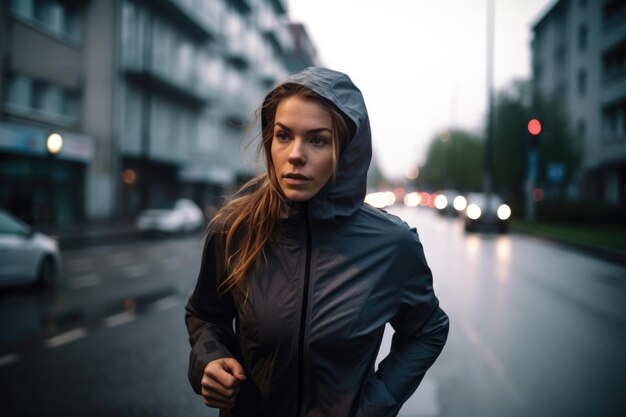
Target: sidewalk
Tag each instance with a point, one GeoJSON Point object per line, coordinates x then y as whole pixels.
{"type": "Point", "coordinates": [602, 242]}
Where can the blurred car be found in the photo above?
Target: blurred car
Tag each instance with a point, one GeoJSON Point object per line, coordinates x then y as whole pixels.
{"type": "Point", "coordinates": [446, 202]}
{"type": "Point", "coordinates": [491, 214]}
{"type": "Point", "coordinates": [179, 217]}
{"type": "Point", "coordinates": [26, 256]}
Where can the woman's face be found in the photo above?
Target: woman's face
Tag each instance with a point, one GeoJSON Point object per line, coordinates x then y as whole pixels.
{"type": "Point", "coordinates": [302, 147]}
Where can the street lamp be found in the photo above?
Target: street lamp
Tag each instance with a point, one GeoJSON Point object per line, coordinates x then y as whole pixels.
{"type": "Point", "coordinates": [54, 143]}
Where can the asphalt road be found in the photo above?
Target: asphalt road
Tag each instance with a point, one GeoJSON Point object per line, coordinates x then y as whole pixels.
{"type": "Point", "coordinates": [537, 329]}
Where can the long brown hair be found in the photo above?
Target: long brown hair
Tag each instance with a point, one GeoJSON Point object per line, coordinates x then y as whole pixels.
{"type": "Point", "coordinates": [252, 216]}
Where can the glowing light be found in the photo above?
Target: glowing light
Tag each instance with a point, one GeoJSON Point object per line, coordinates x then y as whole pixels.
{"type": "Point", "coordinates": [538, 194]}
{"type": "Point", "coordinates": [441, 202]}
{"type": "Point", "coordinates": [380, 199]}
{"type": "Point", "coordinates": [473, 211]}
{"type": "Point", "coordinates": [504, 212]}
{"type": "Point", "coordinates": [412, 173]}
{"type": "Point", "coordinates": [459, 203]}
{"type": "Point", "coordinates": [424, 197]}
{"type": "Point", "coordinates": [431, 200]}
{"type": "Point", "coordinates": [54, 143]}
{"type": "Point", "coordinates": [391, 198]}
{"type": "Point", "coordinates": [534, 127]}
{"type": "Point", "coordinates": [412, 200]}
{"type": "Point", "coordinates": [129, 176]}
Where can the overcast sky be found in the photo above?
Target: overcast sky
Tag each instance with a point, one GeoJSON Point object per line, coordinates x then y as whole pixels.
{"type": "Point", "coordinates": [421, 64]}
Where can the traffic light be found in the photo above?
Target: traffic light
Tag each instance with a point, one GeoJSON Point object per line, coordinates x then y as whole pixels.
{"type": "Point", "coordinates": [534, 128]}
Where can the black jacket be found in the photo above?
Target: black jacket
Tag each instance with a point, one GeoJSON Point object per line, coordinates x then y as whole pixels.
{"type": "Point", "coordinates": [336, 273]}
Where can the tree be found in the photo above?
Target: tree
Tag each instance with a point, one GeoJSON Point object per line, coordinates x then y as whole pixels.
{"type": "Point", "coordinates": [454, 161]}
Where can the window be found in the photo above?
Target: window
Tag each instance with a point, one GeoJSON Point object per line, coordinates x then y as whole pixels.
{"type": "Point", "coordinates": [55, 17]}
{"type": "Point", "coordinates": [39, 98]}
{"type": "Point", "coordinates": [613, 14]}
{"type": "Point", "coordinates": [581, 82]}
{"type": "Point", "coordinates": [614, 64]}
{"type": "Point", "coordinates": [614, 123]}
{"type": "Point", "coordinates": [18, 90]}
{"type": "Point", "coordinates": [582, 38]}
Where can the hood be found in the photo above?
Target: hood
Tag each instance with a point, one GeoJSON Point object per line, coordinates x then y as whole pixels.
{"type": "Point", "coordinates": [344, 193]}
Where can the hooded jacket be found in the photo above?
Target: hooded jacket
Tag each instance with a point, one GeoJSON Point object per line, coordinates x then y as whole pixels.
{"type": "Point", "coordinates": [336, 273]}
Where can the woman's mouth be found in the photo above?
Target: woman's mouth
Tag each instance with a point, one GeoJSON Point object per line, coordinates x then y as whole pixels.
{"type": "Point", "coordinates": [295, 178]}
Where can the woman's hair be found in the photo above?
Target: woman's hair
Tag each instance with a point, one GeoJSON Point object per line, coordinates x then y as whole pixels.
{"type": "Point", "coordinates": [248, 220]}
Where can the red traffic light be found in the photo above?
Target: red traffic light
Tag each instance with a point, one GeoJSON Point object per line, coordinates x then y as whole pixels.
{"type": "Point", "coordinates": [534, 127]}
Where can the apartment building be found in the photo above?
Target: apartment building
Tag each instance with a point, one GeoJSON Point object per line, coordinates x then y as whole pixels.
{"type": "Point", "coordinates": [579, 58]}
{"type": "Point", "coordinates": [150, 97]}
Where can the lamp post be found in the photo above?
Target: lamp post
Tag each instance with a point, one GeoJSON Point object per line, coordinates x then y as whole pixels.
{"type": "Point", "coordinates": [487, 177]}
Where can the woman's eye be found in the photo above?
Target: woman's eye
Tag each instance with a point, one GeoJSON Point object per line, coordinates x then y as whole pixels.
{"type": "Point", "coordinates": [318, 140]}
{"type": "Point", "coordinates": [282, 136]}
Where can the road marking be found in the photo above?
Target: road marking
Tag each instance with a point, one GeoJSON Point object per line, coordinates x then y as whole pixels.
{"type": "Point", "coordinates": [65, 338]}
{"type": "Point", "coordinates": [9, 359]}
{"type": "Point", "coordinates": [135, 271]}
{"type": "Point", "coordinates": [121, 258]}
{"type": "Point", "coordinates": [85, 281]}
{"type": "Point", "coordinates": [492, 360]}
{"type": "Point", "coordinates": [80, 265]}
{"type": "Point", "coordinates": [118, 319]}
{"type": "Point", "coordinates": [166, 303]}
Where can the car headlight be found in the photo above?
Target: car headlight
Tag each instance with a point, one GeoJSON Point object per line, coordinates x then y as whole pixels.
{"type": "Point", "coordinates": [460, 203]}
{"type": "Point", "coordinates": [473, 211]}
{"type": "Point", "coordinates": [504, 212]}
{"type": "Point", "coordinates": [441, 202]}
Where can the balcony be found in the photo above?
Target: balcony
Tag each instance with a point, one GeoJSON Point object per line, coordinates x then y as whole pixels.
{"type": "Point", "coordinates": [186, 93]}
{"type": "Point", "coordinates": [184, 13]}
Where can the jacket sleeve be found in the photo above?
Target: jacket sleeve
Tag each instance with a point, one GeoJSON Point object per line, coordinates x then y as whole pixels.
{"type": "Point", "coordinates": [209, 315]}
{"type": "Point", "coordinates": [421, 326]}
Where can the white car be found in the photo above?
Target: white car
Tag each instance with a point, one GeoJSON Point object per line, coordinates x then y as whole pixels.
{"type": "Point", "coordinates": [26, 256]}
{"type": "Point", "coordinates": [182, 216]}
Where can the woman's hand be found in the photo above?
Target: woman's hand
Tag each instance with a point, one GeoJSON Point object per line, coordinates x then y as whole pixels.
{"type": "Point", "coordinates": [220, 383]}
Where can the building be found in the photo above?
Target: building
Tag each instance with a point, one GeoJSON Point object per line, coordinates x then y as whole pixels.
{"type": "Point", "coordinates": [579, 58]}
{"type": "Point", "coordinates": [150, 97]}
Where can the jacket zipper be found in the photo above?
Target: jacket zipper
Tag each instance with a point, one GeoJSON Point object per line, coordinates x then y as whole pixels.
{"type": "Point", "coordinates": [305, 299]}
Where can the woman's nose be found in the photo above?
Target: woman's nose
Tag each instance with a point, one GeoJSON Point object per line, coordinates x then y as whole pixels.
{"type": "Point", "coordinates": [296, 153]}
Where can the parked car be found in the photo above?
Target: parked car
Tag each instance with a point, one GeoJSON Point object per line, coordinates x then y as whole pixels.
{"type": "Point", "coordinates": [26, 256]}
{"type": "Point", "coordinates": [179, 217]}
{"type": "Point", "coordinates": [480, 213]}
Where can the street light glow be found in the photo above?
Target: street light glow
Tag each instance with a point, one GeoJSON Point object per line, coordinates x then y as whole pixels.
{"type": "Point", "coordinates": [54, 143]}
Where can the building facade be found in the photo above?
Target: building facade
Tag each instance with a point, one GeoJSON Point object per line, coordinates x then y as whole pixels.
{"type": "Point", "coordinates": [150, 97]}
{"type": "Point", "coordinates": [579, 58]}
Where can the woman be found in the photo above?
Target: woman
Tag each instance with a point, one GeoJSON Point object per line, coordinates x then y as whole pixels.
{"type": "Point", "coordinates": [311, 274]}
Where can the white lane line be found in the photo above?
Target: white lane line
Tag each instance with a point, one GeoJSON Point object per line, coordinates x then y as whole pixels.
{"type": "Point", "coordinates": [490, 357]}
{"type": "Point", "coordinates": [135, 271]}
{"type": "Point", "coordinates": [166, 303]}
{"type": "Point", "coordinates": [121, 259]}
{"type": "Point", "coordinates": [80, 265]}
{"type": "Point", "coordinates": [9, 359]}
{"type": "Point", "coordinates": [84, 281]}
{"type": "Point", "coordinates": [118, 319]}
{"type": "Point", "coordinates": [65, 338]}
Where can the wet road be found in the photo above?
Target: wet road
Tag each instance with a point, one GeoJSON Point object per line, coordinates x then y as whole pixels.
{"type": "Point", "coordinates": [536, 330]}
